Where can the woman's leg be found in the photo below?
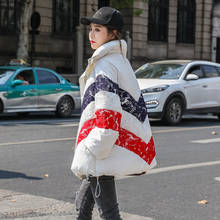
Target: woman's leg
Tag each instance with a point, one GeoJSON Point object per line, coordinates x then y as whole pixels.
{"type": "Point", "coordinates": [84, 201]}
{"type": "Point", "coordinates": [104, 194]}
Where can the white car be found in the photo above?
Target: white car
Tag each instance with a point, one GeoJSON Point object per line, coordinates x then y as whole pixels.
{"type": "Point", "coordinates": [172, 88]}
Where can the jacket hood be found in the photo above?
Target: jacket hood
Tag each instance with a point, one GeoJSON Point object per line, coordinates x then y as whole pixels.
{"type": "Point", "coordinates": [112, 47]}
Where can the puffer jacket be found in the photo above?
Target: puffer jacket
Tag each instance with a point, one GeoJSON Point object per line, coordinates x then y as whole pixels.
{"type": "Point", "coordinates": [114, 136]}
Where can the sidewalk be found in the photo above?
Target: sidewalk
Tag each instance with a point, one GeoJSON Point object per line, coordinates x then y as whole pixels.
{"type": "Point", "coordinates": [18, 206]}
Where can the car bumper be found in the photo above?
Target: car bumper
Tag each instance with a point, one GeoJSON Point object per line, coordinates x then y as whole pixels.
{"type": "Point", "coordinates": [155, 114]}
{"type": "Point", "coordinates": [154, 103]}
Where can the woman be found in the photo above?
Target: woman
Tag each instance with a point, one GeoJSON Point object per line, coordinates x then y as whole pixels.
{"type": "Point", "coordinates": [114, 139]}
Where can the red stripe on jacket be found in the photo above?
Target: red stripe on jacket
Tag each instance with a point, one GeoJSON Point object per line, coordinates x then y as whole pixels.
{"type": "Point", "coordinates": [109, 119]}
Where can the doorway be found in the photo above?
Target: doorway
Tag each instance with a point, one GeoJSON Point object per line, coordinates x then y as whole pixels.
{"type": "Point", "coordinates": [218, 50]}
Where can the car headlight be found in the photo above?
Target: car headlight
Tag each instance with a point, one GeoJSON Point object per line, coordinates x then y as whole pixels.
{"type": "Point", "coordinates": [155, 89]}
{"type": "Point", "coordinates": [151, 104]}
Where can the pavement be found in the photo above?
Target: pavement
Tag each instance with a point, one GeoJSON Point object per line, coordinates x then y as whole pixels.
{"type": "Point", "coordinates": [20, 206]}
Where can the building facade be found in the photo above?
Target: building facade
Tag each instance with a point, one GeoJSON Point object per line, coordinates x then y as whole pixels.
{"type": "Point", "coordinates": [215, 50]}
{"type": "Point", "coordinates": [173, 29]}
{"type": "Point", "coordinates": [154, 30]}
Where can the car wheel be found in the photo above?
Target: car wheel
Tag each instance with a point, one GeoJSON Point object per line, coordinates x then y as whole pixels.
{"type": "Point", "coordinates": [65, 107]}
{"type": "Point", "coordinates": [173, 112]}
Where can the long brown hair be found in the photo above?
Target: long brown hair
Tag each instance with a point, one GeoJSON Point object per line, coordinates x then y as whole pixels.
{"type": "Point", "coordinates": [116, 34]}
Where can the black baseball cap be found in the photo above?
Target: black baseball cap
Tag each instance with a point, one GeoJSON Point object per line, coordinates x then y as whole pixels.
{"type": "Point", "coordinates": [105, 16]}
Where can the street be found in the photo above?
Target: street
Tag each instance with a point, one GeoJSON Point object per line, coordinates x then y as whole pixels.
{"type": "Point", "coordinates": [36, 155]}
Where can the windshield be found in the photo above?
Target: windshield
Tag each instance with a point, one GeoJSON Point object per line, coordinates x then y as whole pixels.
{"type": "Point", "coordinates": [5, 74]}
{"type": "Point", "coordinates": [160, 71]}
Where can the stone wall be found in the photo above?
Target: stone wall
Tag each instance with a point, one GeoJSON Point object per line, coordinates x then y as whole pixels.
{"type": "Point", "coordinates": [51, 51]}
{"type": "Point", "coordinates": [215, 30]}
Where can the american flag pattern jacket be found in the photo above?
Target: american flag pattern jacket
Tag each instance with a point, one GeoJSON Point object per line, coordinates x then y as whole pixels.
{"type": "Point", "coordinates": [114, 136]}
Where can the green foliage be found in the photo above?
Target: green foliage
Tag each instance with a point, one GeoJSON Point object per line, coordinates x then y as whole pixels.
{"type": "Point", "coordinates": [138, 12]}
{"type": "Point", "coordinates": [120, 4]}
{"type": "Point", "coordinates": [125, 4]}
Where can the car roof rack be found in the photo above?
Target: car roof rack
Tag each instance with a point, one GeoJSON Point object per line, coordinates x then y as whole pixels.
{"type": "Point", "coordinates": [18, 62]}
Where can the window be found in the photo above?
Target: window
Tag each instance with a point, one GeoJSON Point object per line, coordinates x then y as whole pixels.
{"type": "Point", "coordinates": [65, 16]}
{"type": "Point", "coordinates": [197, 71]}
{"type": "Point", "coordinates": [158, 20]}
{"type": "Point", "coordinates": [8, 16]}
{"type": "Point", "coordinates": [210, 71]}
{"type": "Point", "coordinates": [103, 3]}
{"type": "Point", "coordinates": [186, 21]}
{"type": "Point", "coordinates": [218, 68]}
{"type": "Point", "coordinates": [27, 76]}
{"type": "Point", "coordinates": [46, 77]}
{"type": "Point", "coordinates": [5, 74]}
{"type": "Point", "coordinates": [160, 71]}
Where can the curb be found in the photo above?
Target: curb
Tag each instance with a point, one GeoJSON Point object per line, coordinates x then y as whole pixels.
{"type": "Point", "coordinates": [20, 206]}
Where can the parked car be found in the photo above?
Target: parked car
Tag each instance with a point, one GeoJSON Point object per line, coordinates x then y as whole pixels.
{"type": "Point", "coordinates": [30, 89]}
{"type": "Point", "coordinates": [172, 88]}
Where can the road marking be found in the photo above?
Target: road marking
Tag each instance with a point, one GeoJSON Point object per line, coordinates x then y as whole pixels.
{"type": "Point", "coordinates": [217, 178]}
{"type": "Point", "coordinates": [75, 124]}
{"type": "Point", "coordinates": [160, 131]}
{"type": "Point", "coordinates": [206, 141]}
{"type": "Point", "coordinates": [69, 125]}
{"type": "Point", "coordinates": [49, 122]}
{"type": "Point", "coordinates": [153, 171]}
{"type": "Point", "coordinates": [37, 141]}
{"type": "Point", "coordinates": [185, 129]}
{"type": "Point", "coordinates": [184, 166]}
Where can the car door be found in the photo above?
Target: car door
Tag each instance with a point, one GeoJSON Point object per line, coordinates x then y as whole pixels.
{"type": "Point", "coordinates": [49, 89]}
{"type": "Point", "coordinates": [196, 90]}
{"type": "Point", "coordinates": [22, 97]}
{"type": "Point", "coordinates": [213, 85]}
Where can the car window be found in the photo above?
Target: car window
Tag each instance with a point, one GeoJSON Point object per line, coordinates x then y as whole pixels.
{"type": "Point", "coordinates": [27, 76]}
{"type": "Point", "coordinates": [160, 71]}
{"type": "Point", "coordinates": [47, 77]}
{"type": "Point", "coordinates": [210, 71]}
{"type": "Point", "coordinates": [197, 70]}
{"type": "Point", "coordinates": [218, 68]}
{"type": "Point", "coordinates": [5, 74]}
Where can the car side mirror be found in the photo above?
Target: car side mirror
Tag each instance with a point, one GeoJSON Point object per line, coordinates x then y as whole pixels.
{"type": "Point", "coordinates": [16, 82]}
{"type": "Point", "coordinates": [191, 76]}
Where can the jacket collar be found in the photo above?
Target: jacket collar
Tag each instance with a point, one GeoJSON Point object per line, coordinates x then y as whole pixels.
{"type": "Point", "coordinates": [112, 47]}
{"type": "Point", "coordinates": [109, 48]}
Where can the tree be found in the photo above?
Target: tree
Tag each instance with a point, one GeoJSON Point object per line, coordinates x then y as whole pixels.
{"type": "Point", "coordinates": [126, 4]}
{"type": "Point", "coordinates": [26, 8]}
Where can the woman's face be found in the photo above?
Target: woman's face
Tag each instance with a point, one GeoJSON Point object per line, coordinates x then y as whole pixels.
{"type": "Point", "coordinates": [98, 35]}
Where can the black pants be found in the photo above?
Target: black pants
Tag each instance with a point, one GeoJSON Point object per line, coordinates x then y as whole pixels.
{"type": "Point", "coordinates": [101, 192]}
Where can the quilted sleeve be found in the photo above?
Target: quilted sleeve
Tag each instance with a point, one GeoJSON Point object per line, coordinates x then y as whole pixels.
{"type": "Point", "coordinates": [108, 111]}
